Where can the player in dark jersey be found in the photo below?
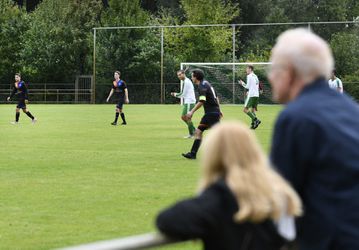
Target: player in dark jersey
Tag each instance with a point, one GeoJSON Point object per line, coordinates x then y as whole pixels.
{"type": "Point", "coordinates": [119, 87]}
{"type": "Point", "coordinates": [20, 90]}
{"type": "Point", "coordinates": [212, 112]}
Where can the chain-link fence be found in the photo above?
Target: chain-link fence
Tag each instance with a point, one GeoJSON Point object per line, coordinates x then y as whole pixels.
{"type": "Point", "coordinates": [156, 53]}
{"type": "Point", "coordinates": [148, 58]}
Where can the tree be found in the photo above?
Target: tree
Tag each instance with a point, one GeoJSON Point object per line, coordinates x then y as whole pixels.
{"type": "Point", "coordinates": [345, 48]}
{"type": "Point", "coordinates": [13, 25]}
{"type": "Point", "coordinates": [201, 44]}
{"type": "Point", "coordinates": [56, 45]}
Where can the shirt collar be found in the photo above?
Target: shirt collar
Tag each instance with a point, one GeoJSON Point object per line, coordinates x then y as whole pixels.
{"type": "Point", "coordinates": [318, 84]}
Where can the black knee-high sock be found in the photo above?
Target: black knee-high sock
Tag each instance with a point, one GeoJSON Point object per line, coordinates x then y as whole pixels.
{"type": "Point", "coordinates": [17, 116]}
{"type": "Point", "coordinates": [30, 115]}
{"type": "Point", "coordinates": [195, 146]}
{"type": "Point", "coordinates": [123, 117]}
{"type": "Point", "coordinates": [116, 117]}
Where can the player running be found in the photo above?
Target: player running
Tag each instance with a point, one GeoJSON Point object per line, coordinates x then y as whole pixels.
{"type": "Point", "coordinates": [212, 113]}
{"type": "Point", "coordinates": [252, 96]}
{"type": "Point", "coordinates": [189, 100]}
{"type": "Point", "coordinates": [20, 90]}
{"type": "Point", "coordinates": [120, 88]}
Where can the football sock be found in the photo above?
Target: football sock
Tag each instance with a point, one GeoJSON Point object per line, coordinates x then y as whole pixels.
{"type": "Point", "coordinates": [195, 146]}
{"type": "Point", "coordinates": [17, 116]}
{"type": "Point", "coordinates": [116, 117]}
{"type": "Point", "coordinates": [30, 115]}
{"type": "Point", "coordinates": [191, 128]}
{"type": "Point", "coordinates": [251, 115]}
{"type": "Point", "coordinates": [123, 117]}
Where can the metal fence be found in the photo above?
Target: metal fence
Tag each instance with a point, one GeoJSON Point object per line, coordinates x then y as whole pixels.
{"type": "Point", "coordinates": [166, 73]}
{"type": "Point", "coordinates": [79, 91]}
{"type": "Point", "coordinates": [129, 243]}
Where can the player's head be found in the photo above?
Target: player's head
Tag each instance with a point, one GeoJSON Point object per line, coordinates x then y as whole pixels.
{"type": "Point", "coordinates": [334, 74]}
{"type": "Point", "coordinates": [17, 77]}
{"type": "Point", "coordinates": [298, 58]}
{"type": "Point", "coordinates": [197, 76]}
{"type": "Point", "coordinates": [117, 74]}
{"type": "Point", "coordinates": [181, 74]}
{"type": "Point", "coordinates": [249, 69]}
{"type": "Point", "coordinates": [231, 152]}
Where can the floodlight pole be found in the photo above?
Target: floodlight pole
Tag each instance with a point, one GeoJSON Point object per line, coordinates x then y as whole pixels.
{"type": "Point", "coordinates": [233, 60]}
{"type": "Point", "coordinates": [93, 85]}
{"type": "Point", "coordinates": [162, 52]}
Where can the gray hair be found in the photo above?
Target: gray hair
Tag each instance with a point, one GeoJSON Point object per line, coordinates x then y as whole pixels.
{"type": "Point", "coordinates": [308, 53]}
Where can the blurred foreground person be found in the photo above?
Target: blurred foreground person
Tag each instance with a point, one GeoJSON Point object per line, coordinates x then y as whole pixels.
{"type": "Point", "coordinates": [243, 203]}
{"type": "Point", "coordinates": [316, 142]}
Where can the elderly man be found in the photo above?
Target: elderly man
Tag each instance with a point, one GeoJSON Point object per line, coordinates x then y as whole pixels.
{"type": "Point", "coordinates": [316, 142]}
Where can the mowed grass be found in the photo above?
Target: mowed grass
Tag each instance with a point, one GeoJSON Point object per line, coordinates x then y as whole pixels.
{"type": "Point", "coordinates": [73, 178]}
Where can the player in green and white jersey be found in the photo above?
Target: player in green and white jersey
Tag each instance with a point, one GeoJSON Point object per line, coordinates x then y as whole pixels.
{"type": "Point", "coordinates": [252, 96]}
{"type": "Point", "coordinates": [189, 100]}
{"type": "Point", "coordinates": [335, 83]}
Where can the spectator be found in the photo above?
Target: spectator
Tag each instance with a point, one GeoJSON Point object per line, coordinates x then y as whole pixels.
{"type": "Point", "coordinates": [316, 142]}
{"type": "Point", "coordinates": [243, 203]}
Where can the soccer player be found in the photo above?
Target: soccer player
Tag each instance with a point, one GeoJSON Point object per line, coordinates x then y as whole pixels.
{"type": "Point", "coordinates": [189, 100]}
{"type": "Point", "coordinates": [212, 113]}
{"type": "Point", "coordinates": [119, 87]}
{"type": "Point", "coordinates": [335, 83]}
{"type": "Point", "coordinates": [20, 90]}
{"type": "Point", "coordinates": [252, 97]}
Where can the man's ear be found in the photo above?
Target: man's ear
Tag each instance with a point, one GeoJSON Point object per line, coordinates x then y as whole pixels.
{"type": "Point", "coordinates": [291, 75]}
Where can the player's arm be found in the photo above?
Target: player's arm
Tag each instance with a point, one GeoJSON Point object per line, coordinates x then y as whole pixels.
{"type": "Point", "coordinates": [109, 95]}
{"type": "Point", "coordinates": [12, 93]}
{"type": "Point", "coordinates": [220, 111]}
{"type": "Point", "coordinates": [243, 83]}
{"type": "Point", "coordinates": [180, 94]}
{"type": "Point", "coordinates": [340, 86]}
{"type": "Point", "coordinates": [198, 106]}
{"type": "Point", "coordinates": [26, 93]}
{"type": "Point", "coordinates": [126, 96]}
{"type": "Point", "coordinates": [202, 99]}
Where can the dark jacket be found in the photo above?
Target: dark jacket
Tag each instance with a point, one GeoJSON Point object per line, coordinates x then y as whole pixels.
{"type": "Point", "coordinates": [316, 147]}
{"type": "Point", "coordinates": [210, 217]}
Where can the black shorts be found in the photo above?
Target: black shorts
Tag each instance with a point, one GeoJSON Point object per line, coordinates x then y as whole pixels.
{"type": "Point", "coordinates": [208, 120]}
{"type": "Point", "coordinates": [21, 104]}
{"type": "Point", "coordinates": [120, 104]}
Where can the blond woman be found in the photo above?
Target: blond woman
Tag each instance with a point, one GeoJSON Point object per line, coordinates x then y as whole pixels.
{"type": "Point", "coordinates": [243, 203]}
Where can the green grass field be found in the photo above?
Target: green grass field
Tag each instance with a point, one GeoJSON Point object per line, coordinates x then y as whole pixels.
{"type": "Point", "coordinates": [73, 178]}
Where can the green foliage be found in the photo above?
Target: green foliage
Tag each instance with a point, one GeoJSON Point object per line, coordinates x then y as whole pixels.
{"type": "Point", "coordinates": [201, 44]}
{"type": "Point", "coordinates": [346, 53]}
{"type": "Point", "coordinates": [55, 42]}
{"type": "Point", "coordinates": [13, 25]}
{"type": "Point", "coordinates": [351, 84]}
{"type": "Point", "coordinates": [58, 39]}
{"type": "Point", "coordinates": [134, 52]}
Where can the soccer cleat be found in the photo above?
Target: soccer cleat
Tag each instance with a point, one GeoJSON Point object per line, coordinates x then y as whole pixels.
{"type": "Point", "coordinates": [189, 137]}
{"type": "Point", "coordinates": [256, 124]}
{"type": "Point", "coordinates": [252, 125]}
{"type": "Point", "coordinates": [114, 123]}
{"type": "Point", "coordinates": [34, 120]}
{"type": "Point", "coordinates": [14, 123]}
{"type": "Point", "coordinates": [124, 123]}
{"type": "Point", "coordinates": [189, 155]}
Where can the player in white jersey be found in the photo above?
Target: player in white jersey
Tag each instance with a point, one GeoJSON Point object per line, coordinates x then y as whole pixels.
{"type": "Point", "coordinates": [252, 96]}
{"type": "Point", "coordinates": [335, 83]}
{"type": "Point", "coordinates": [189, 100]}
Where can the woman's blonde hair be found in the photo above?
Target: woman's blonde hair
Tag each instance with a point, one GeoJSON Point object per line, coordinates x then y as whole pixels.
{"type": "Point", "coordinates": [231, 151]}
